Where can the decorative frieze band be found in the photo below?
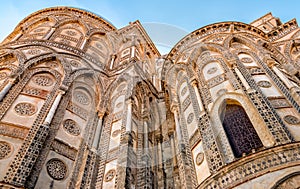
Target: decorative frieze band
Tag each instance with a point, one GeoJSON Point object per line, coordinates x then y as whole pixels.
{"type": "Point", "coordinates": [64, 149]}
{"type": "Point", "coordinates": [13, 131]}
{"type": "Point", "coordinates": [254, 166]}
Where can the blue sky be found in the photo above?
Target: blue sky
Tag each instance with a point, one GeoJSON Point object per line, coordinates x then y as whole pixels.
{"type": "Point", "coordinates": [158, 16]}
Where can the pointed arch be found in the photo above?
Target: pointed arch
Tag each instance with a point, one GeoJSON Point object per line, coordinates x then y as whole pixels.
{"type": "Point", "coordinates": [288, 181]}
{"type": "Point", "coordinates": [217, 115]}
{"type": "Point", "coordinates": [39, 28]}
{"type": "Point", "coordinates": [83, 25]}
{"type": "Point", "coordinates": [239, 129]}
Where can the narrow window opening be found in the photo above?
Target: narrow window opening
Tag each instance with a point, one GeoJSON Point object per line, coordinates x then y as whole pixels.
{"type": "Point", "coordinates": [240, 131]}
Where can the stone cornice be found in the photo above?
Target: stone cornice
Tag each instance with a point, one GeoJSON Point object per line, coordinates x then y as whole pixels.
{"type": "Point", "coordinates": [282, 30]}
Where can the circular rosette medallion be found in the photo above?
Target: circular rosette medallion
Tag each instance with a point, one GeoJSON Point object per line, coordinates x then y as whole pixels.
{"type": "Point", "coordinates": [56, 169]}
{"type": "Point", "coordinates": [71, 127]}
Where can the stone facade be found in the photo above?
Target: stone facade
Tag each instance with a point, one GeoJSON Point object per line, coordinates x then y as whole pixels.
{"type": "Point", "coordinates": [86, 105]}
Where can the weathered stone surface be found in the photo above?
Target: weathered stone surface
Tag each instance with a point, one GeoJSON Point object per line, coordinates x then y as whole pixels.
{"type": "Point", "coordinates": [86, 105]}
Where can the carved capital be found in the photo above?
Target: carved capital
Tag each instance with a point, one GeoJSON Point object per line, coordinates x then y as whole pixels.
{"type": "Point", "coordinates": [63, 88]}
{"type": "Point", "coordinates": [159, 138]}
{"type": "Point", "coordinates": [271, 62]}
{"type": "Point", "coordinates": [16, 73]}
{"type": "Point", "coordinates": [11, 79]}
{"type": "Point", "coordinates": [171, 132]}
{"type": "Point", "coordinates": [129, 101]}
{"type": "Point", "coordinates": [145, 116]}
{"type": "Point", "coordinates": [232, 63]}
{"type": "Point", "coordinates": [193, 82]}
{"type": "Point", "coordinates": [101, 114]}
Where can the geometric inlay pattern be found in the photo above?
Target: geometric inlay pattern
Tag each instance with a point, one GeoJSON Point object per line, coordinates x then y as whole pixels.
{"type": "Point", "coordinates": [199, 158]}
{"type": "Point", "coordinates": [110, 175]}
{"type": "Point", "coordinates": [212, 70]}
{"type": "Point", "coordinates": [70, 33]}
{"type": "Point", "coordinates": [264, 84]}
{"type": "Point", "coordinates": [56, 169]}
{"type": "Point", "coordinates": [183, 91]}
{"type": "Point", "coordinates": [74, 63]}
{"type": "Point", "coordinates": [52, 64]}
{"type": "Point", "coordinates": [34, 51]}
{"type": "Point", "coordinates": [246, 60]}
{"type": "Point", "coordinates": [3, 75]}
{"type": "Point", "coordinates": [42, 80]}
{"type": "Point", "coordinates": [5, 149]}
{"type": "Point", "coordinates": [115, 133]}
{"type": "Point", "coordinates": [25, 109]}
{"type": "Point", "coordinates": [81, 97]}
{"type": "Point", "coordinates": [291, 119]}
{"type": "Point", "coordinates": [71, 127]}
{"type": "Point", "coordinates": [190, 118]}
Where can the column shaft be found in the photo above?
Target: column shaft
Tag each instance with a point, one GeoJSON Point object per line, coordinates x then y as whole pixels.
{"type": "Point", "coordinates": [129, 117]}
{"type": "Point", "coordinates": [53, 108]}
{"type": "Point", "coordinates": [98, 133]}
{"type": "Point", "coordinates": [5, 90]}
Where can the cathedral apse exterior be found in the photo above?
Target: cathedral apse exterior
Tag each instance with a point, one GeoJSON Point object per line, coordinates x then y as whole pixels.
{"type": "Point", "coordinates": [86, 105]}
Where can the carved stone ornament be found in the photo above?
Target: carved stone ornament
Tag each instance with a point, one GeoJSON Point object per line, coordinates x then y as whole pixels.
{"type": "Point", "coordinates": [25, 109]}
{"type": "Point", "coordinates": [3, 75]}
{"type": "Point", "coordinates": [71, 33]}
{"type": "Point", "coordinates": [119, 105]}
{"type": "Point", "coordinates": [99, 45]}
{"type": "Point", "coordinates": [246, 60]}
{"type": "Point", "coordinates": [199, 158]}
{"type": "Point", "coordinates": [81, 97]}
{"type": "Point", "coordinates": [291, 119]}
{"type": "Point", "coordinates": [56, 169]}
{"type": "Point", "coordinates": [183, 91]}
{"type": "Point", "coordinates": [116, 132]}
{"type": "Point", "coordinates": [34, 51]}
{"type": "Point", "coordinates": [71, 127]}
{"type": "Point", "coordinates": [110, 175]}
{"type": "Point", "coordinates": [52, 64]}
{"type": "Point", "coordinates": [5, 149]}
{"type": "Point", "coordinates": [264, 84]}
{"type": "Point", "coordinates": [212, 70]}
{"type": "Point", "coordinates": [74, 63]}
{"type": "Point", "coordinates": [42, 80]}
{"type": "Point", "coordinates": [190, 118]}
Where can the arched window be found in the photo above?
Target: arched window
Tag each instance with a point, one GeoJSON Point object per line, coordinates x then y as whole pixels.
{"type": "Point", "coordinates": [290, 181]}
{"type": "Point", "coordinates": [239, 130]}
